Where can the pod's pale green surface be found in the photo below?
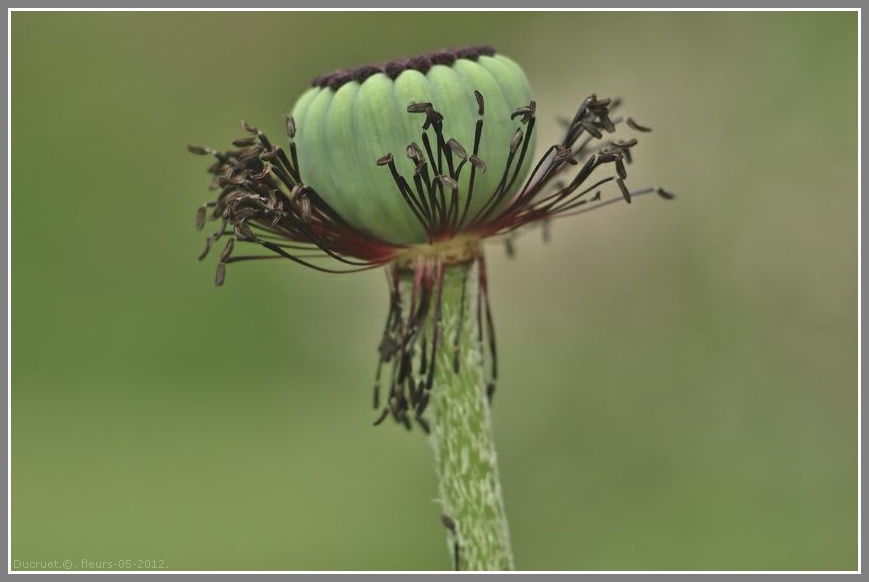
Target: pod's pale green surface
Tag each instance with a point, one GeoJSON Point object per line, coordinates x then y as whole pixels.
{"type": "Point", "coordinates": [342, 133]}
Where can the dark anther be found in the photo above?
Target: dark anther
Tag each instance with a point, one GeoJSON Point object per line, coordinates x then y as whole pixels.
{"type": "Point", "coordinates": [478, 163]}
{"type": "Point", "coordinates": [620, 168]}
{"type": "Point", "coordinates": [199, 150]}
{"type": "Point", "coordinates": [625, 192]}
{"type": "Point", "coordinates": [636, 126]}
{"type": "Point", "coordinates": [291, 127]}
{"type": "Point", "coordinates": [243, 232]}
{"type": "Point", "coordinates": [527, 112]}
{"type": "Point", "coordinates": [377, 393]}
{"type": "Point", "coordinates": [419, 107]}
{"type": "Point", "coordinates": [490, 392]}
{"type": "Point", "coordinates": [414, 152]}
{"type": "Point", "coordinates": [423, 401]}
{"type": "Point", "coordinates": [448, 182]}
{"type": "Point", "coordinates": [249, 154]}
{"type": "Point", "coordinates": [516, 141]}
{"type": "Point", "coordinates": [248, 127]}
{"type": "Point", "coordinates": [509, 247]}
{"type": "Point", "coordinates": [245, 142]}
{"type": "Point", "coordinates": [384, 160]}
{"type": "Point", "coordinates": [625, 148]}
{"type": "Point", "coordinates": [201, 215]}
{"type": "Point", "coordinates": [596, 103]}
{"type": "Point", "coordinates": [607, 122]}
{"type": "Point", "coordinates": [419, 391]}
{"type": "Point", "coordinates": [227, 250]}
{"type": "Point", "coordinates": [591, 128]}
{"type": "Point", "coordinates": [208, 242]}
{"type": "Point", "coordinates": [262, 173]}
{"type": "Point", "coordinates": [383, 414]}
{"type": "Point", "coordinates": [627, 155]}
{"type": "Point", "coordinates": [387, 348]}
{"type": "Point", "coordinates": [451, 526]}
{"type": "Point", "coordinates": [433, 116]}
{"type": "Point", "coordinates": [664, 194]}
{"type": "Point", "coordinates": [480, 103]}
{"type": "Point", "coordinates": [458, 149]}
{"type": "Point", "coordinates": [220, 275]}
{"type": "Point", "coordinates": [224, 181]}
{"type": "Point", "coordinates": [404, 367]}
{"type": "Point", "coordinates": [271, 154]}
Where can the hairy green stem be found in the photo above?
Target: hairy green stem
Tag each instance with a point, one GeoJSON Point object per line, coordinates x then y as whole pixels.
{"type": "Point", "coordinates": [461, 432]}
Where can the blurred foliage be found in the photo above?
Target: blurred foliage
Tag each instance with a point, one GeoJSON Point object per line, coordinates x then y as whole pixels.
{"type": "Point", "coordinates": [679, 380]}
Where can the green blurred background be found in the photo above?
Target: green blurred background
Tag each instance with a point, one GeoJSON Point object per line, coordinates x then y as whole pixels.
{"type": "Point", "coordinates": [679, 380]}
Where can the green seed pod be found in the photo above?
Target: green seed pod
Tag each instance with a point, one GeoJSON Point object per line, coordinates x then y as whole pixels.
{"type": "Point", "coordinates": [351, 119]}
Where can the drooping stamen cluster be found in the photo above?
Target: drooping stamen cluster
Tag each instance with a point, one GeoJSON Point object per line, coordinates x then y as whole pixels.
{"type": "Point", "coordinates": [413, 336]}
{"type": "Point", "coordinates": [263, 200]}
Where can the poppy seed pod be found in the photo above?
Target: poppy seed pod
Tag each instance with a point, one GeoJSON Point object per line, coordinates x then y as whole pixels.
{"type": "Point", "coordinates": [350, 119]}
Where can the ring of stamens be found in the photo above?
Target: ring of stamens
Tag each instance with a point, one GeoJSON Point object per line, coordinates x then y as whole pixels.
{"type": "Point", "coordinates": [263, 201]}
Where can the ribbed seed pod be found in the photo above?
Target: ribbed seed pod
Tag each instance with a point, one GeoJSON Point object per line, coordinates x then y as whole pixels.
{"type": "Point", "coordinates": [350, 120]}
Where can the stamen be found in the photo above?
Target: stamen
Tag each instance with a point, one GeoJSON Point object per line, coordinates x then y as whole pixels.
{"type": "Point", "coordinates": [208, 242]}
{"type": "Point", "coordinates": [485, 310]}
{"type": "Point", "coordinates": [245, 142]}
{"type": "Point", "coordinates": [423, 402]}
{"type": "Point", "coordinates": [664, 194]}
{"type": "Point", "coordinates": [527, 113]}
{"type": "Point", "coordinates": [448, 182]}
{"type": "Point", "coordinates": [220, 275]}
{"type": "Point", "coordinates": [451, 526]}
{"type": "Point", "coordinates": [478, 163]}
{"type": "Point", "coordinates": [624, 189]}
{"type": "Point", "coordinates": [457, 149]}
{"type": "Point", "coordinates": [227, 250]}
{"type": "Point", "coordinates": [620, 168]}
{"type": "Point", "coordinates": [382, 416]}
{"type": "Point", "coordinates": [200, 151]}
{"type": "Point", "coordinates": [590, 128]}
{"type": "Point", "coordinates": [636, 126]}
{"type": "Point", "coordinates": [201, 216]}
